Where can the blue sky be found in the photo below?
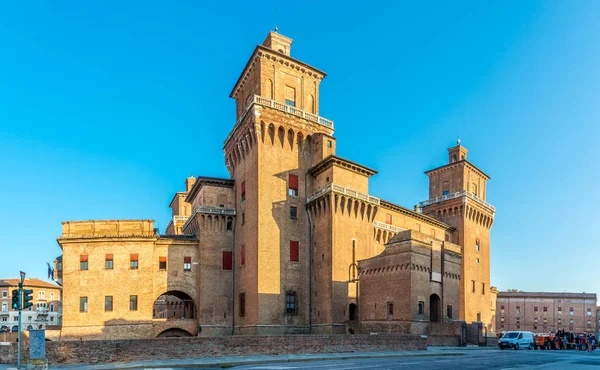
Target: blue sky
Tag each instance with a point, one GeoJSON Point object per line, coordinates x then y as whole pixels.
{"type": "Point", "coordinates": [106, 107]}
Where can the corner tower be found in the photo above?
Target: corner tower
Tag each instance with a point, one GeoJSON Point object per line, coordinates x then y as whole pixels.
{"type": "Point", "coordinates": [277, 137]}
{"type": "Point", "coordinates": [457, 196]}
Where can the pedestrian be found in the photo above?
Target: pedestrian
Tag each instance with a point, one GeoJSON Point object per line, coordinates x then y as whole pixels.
{"type": "Point", "coordinates": [590, 343]}
{"type": "Point", "coordinates": [577, 343]}
{"type": "Point", "coordinates": [583, 342]}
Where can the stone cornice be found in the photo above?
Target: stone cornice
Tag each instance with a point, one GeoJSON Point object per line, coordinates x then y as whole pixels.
{"type": "Point", "coordinates": [341, 162]}
{"type": "Point", "coordinates": [463, 162]}
{"type": "Point", "coordinates": [264, 52]}
{"type": "Point", "coordinates": [419, 216]}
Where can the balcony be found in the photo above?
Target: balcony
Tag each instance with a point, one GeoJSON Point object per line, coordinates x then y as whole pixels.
{"type": "Point", "coordinates": [384, 226]}
{"type": "Point", "coordinates": [458, 195]}
{"type": "Point", "coordinates": [345, 191]}
{"type": "Point", "coordinates": [270, 103]}
{"type": "Point", "coordinates": [209, 210]}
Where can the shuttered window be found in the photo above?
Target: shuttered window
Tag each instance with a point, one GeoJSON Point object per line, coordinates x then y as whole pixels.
{"type": "Point", "coordinates": [133, 261]}
{"type": "Point", "coordinates": [83, 262]}
{"type": "Point", "coordinates": [108, 262]}
{"type": "Point", "coordinates": [162, 263]}
{"type": "Point", "coordinates": [293, 185]}
{"type": "Point", "coordinates": [294, 251]}
{"type": "Point", "coordinates": [227, 261]}
{"type": "Point", "coordinates": [187, 263]}
{"type": "Point", "coordinates": [388, 219]}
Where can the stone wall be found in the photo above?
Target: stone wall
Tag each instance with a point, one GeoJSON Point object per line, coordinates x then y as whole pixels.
{"type": "Point", "coordinates": [75, 352]}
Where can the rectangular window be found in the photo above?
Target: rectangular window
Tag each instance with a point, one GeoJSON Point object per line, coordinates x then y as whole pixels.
{"type": "Point", "coordinates": [108, 262]}
{"type": "Point", "coordinates": [518, 309]}
{"type": "Point", "coordinates": [477, 245]}
{"type": "Point", "coordinates": [449, 312]}
{"type": "Point", "coordinates": [446, 188]}
{"type": "Point", "coordinates": [187, 263]}
{"type": "Point", "coordinates": [421, 308]}
{"type": "Point", "coordinates": [293, 185]}
{"type": "Point", "coordinates": [83, 304]}
{"type": "Point", "coordinates": [108, 303]}
{"type": "Point", "coordinates": [474, 187]}
{"type": "Point", "coordinates": [329, 143]}
{"type": "Point", "coordinates": [227, 260]}
{"type": "Point", "coordinates": [243, 191]}
{"type": "Point", "coordinates": [482, 288]}
{"type": "Point", "coordinates": [473, 285]}
{"type": "Point", "coordinates": [571, 311]}
{"type": "Point", "coordinates": [390, 308]}
{"type": "Point", "coordinates": [560, 310]}
{"type": "Point", "coordinates": [229, 223]}
{"type": "Point", "coordinates": [4, 294]}
{"type": "Point", "coordinates": [293, 212]}
{"type": "Point", "coordinates": [243, 255]}
{"type": "Point", "coordinates": [446, 192]}
{"type": "Point", "coordinates": [294, 251]}
{"type": "Point", "coordinates": [589, 312]}
{"type": "Point", "coordinates": [242, 300]}
{"type": "Point", "coordinates": [290, 96]}
{"type": "Point", "coordinates": [535, 309]}
{"type": "Point", "coordinates": [479, 316]}
{"type": "Point", "coordinates": [243, 218]}
{"type": "Point", "coordinates": [83, 262]}
{"type": "Point", "coordinates": [4, 307]}
{"type": "Point", "coordinates": [133, 303]}
{"type": "Point", "coordinates": [388, 219]}
{"type": "Point", "coordinates": [290, 303]}
{"type": "Point", "coordinates": [545, 309]}
{"type": "Point", "coordinates": [162, 263]}
{"type": "Point", "coordinates": [133, 261]}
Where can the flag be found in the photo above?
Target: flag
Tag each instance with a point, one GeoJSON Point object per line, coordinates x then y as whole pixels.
{"type": "Point", "coordinates": [50, 272]}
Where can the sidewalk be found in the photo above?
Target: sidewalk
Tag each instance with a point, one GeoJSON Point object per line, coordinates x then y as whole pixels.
{"type": "Point", "coordinates": [252, 360]}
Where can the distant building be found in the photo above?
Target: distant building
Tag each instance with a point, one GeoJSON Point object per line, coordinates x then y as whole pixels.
{"type": "Point", "coordinates": [542, 312]}
{"type": "Point", "coordinates": [275, 249]}
{"type": "Point", "coordinates": [45, 313]}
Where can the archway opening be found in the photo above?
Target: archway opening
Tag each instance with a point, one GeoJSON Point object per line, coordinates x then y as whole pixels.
{"type": "Point", "coordinates": [434, 308]}
{"type": "Point", "coordinates": [352, 310]}
{"type": "Point", "coordinates": [174, 333]}
{"type": "Point", "coordinates": [174, 305]}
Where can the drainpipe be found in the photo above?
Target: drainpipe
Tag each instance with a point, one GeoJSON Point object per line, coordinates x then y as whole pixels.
{"type": "Point", "coordinates": [310, 256]}
{"type": "Point", "coordinates": [233, 262]}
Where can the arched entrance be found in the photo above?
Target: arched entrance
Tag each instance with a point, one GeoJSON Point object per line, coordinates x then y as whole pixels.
{"type": "Point", "coordinates": [352, 312]}
{"type": "Point", "coordinates": [3, 329]}
{"type": "Point", "coordinates": [174, 304]}
{"type": "Point", "coordinates": [434, 308]}
{"type": "Point", "coordinates": [15, 329]}
{"type": "Point", "coordinates": [174, 333]}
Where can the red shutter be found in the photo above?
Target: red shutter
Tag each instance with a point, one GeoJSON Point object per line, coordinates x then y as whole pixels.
{"type": "Point", "coordinates": [162, 259]}
{"type": "Point", "coordinates": [227, 258]}
{"type": "Point", "coordinates": [187, 259]}
{"type": "Point", "coordinates": [133, 257]}
{"type": "Point", "coordinates": [388, 219]}
{"type": "Point", "coordinates": [244, 188]}
{"type": "Point", "coordinates": [293, 180]}
{"type": "Point", "coordinates": [109, 257]}
{"type": "Point", "coordinates": [243, 254]}
{"type": "Point", "coordinates": [83, 258]}
{"type": "Point", "coordinates": [294, 251]}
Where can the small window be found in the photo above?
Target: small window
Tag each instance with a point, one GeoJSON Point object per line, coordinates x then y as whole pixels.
{"type": "Point", "coordinates": [482, 288]}
{"type": "Point", "coordinates": [477, 260]}
{"type": "Point", "coordinates": [133, 261]}
{"type": "Point", "coordinates": [290, 303]}
{"type": "Point", "coordinates": [242, 303]}
{"type": "Point", "coordinates": [449, 312]}
{"type": "Point", "coordinates": [329, 144]}
{"type": "Point", "coordinates": [83, 262]}
{"type": "Point", "coordinates": [560, 310]}
{"type": "Point", "coordinates": [108, 262]}
{"type": "Point", "coordinates": [290, 102]}
{"type": "Point", "coordinates": [518, 309]}
{"type": "Point", "coordinates": [187, 263]}
{"type": "Point", "coordinates": [535, 309]}
{"type": "Point", "coordinates": [229, 223]}
{"type": "Point", "coordinates": [293, 185]}
{"type": "Point", "coordinates": [243, 191]}
{"type": "Point", "coordinates": [479, 317]}
{"type": "Point", "coordinates": [243, 218]}
{"type": "Point", "coordinates": [83, 304]}
{"type": "Point", "coordinates": [589, 312]}
{"type": "Point", "coordinates": [388, 219]}
{"type": "Point", "coordinates": [227, 260]}
{"type": "Point", "coordinates": [41, 294]}
{"type": "Point", "coordinates": [571, 311]}
{"type": "Point", "coordinates": [421, 308]}
{"type": "Point", "coordinates": [162, 263]}
{"type": "Point", "coordinates": [390, 308]}
{"type": "Point", "coordinates": [446, 192]}
{"type": "Point", "coordinates": [477, 245]}
{"type": "Point", "coordinates": [294, 251]}
{"type": "Point", "coordinates": [453, 158]}
{"type": "Point", "coordinates": [446, 188]}
{"type": "Point", "coordinates": [4, 294]}
{"type": "Point", "coordinates": [473, 286]}
{"type": "Point", "coordinates": [293, 212]}
{"type": "Point", "coordinates": [108, 303]}
{"type": "Point", "coordinates": [243, 255]}
{"type": "Point", "coordinates": [51, 296]}
{"type": "Point", "coordinates": [133, 302]}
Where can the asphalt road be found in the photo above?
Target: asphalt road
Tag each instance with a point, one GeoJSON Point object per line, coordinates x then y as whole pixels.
{"type": "Point", "coordinates": [472, 359]}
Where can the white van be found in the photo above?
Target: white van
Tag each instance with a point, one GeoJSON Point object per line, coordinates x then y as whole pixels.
{"type": "Point", "coordinates": [516, 340]}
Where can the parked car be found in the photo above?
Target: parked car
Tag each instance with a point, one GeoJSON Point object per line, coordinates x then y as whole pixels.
{"type": "Point", "coordinates": [517, 340]}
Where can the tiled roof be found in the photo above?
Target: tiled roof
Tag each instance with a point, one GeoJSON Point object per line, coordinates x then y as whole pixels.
{"type": "Point", "coordinates": [29, 282]}
{"type": "Point", "coordinates": [546, 295]}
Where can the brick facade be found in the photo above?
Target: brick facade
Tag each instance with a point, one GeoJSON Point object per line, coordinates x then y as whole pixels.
{"type": "Point", "coordinates": [293, 221]}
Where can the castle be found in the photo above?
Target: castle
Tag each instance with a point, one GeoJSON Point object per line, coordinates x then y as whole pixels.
{"type": "Point", "coordinates": [291, 243]}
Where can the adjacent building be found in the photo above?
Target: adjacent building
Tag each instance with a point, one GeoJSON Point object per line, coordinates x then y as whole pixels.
{"type": "Point", "coordinates": [45, 313]}
{"type": "Point", "coordinates": [543, 312]}
{"type": "Point", "coordinates": [284, 244]}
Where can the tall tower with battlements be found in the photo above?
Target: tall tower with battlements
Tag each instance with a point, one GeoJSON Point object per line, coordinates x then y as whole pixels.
{"type": "Point", "coordinates": [277, 137]}
{"type": "Point", "coordinates": [457, 196]}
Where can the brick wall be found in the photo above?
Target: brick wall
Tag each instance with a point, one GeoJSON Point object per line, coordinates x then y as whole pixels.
{"type": "Point", "coordinates": [74, 352]}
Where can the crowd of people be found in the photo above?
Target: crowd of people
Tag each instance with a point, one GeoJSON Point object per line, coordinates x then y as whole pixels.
{"type": "Point", "coordinates": [569, 340]}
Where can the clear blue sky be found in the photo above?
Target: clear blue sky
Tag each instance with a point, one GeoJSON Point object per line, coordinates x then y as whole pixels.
{"type": "Point", "coordinates": [106, 107]}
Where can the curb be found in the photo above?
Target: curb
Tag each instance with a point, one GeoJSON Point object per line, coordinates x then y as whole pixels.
{"type": "Point", "coordinates": [225, 364]}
